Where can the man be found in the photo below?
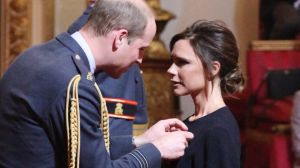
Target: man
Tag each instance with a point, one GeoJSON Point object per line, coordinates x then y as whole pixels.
{"type": "Point", "coordinates": [127, 91]}
{"type": "Point", "coordinates": [49, 110]}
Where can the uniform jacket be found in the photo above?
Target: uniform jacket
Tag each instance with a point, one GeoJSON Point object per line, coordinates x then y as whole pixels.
{"type": "Point", "coordinates": [32, 112]}
{"type": "Point", "coordinates": [128, 86]}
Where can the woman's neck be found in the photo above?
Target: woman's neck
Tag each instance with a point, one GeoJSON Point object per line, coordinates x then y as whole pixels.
{"type": "Point", "coordinates": [208, 101]}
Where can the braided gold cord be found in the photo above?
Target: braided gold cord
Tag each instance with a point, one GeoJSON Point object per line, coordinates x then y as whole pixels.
{"type": "Point", "coordinates": [104, 119]}
{"type": "Point", "coordinates": [73, 124]}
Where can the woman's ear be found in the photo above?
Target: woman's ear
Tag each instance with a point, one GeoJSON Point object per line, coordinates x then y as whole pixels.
{"type": "Point", "coordinates": [215, 69]}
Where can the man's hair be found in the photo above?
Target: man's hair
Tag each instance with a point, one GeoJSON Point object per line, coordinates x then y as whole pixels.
{"type": "Point", "coordinates": [109, 15]}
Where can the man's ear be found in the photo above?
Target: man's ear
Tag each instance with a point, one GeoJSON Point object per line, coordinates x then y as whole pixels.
{"type": "Point", "coordinates": [215, 69]}
{"type": "Point", "coordinates": [120, 38]}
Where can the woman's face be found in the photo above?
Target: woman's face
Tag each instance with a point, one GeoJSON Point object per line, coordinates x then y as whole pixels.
{"type": "Point", "coordinates": [187, 73]}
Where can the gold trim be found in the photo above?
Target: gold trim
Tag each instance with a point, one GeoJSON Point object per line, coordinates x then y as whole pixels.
{"type": "Point", "coordinates": [72, 118]}
{"type": "Point", "coordinates": [275, 45]}
{"type": "Point", "coordinates": [104, 118]}
{"type": "Point", "coordinates": [266, 137]}
{"type": "Point", "coordinates": [258, 136]}
{"type": "Point", "coordinates": [281, 128]}
{"type": "Point", "coordinates": [73, 123]}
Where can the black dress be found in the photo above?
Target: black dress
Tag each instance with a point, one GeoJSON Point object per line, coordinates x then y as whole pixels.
{"type": "Point", "coordinates": [216, 142]}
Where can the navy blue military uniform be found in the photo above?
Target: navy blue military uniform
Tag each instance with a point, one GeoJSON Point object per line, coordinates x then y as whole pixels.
{"type": "Point", "coordinates": [32, 112]}
{"type": "Point", "coordinates": [127, 88]}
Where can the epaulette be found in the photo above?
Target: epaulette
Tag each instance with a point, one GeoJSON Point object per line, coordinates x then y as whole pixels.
{"type": "Point", "coordinates": [73, 114]}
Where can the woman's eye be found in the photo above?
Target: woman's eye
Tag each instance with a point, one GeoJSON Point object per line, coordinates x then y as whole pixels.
{"type": "Point", "coordinates": [181, 62]}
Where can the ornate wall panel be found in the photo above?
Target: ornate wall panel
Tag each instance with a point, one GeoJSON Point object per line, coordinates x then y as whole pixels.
{"type": "Point", "coordinates": [15, 30]}
{"type": "Point", "coordinates": [17, 20]}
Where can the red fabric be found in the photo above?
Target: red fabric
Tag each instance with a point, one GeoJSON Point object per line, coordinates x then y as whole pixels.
{"type": "Point", "coordinates": [274, 110]}
{"type": "Point", "coordinates": [264, 148]}
{"type": "Point", "coordinates": [280, 155]}
{"type": "Point", "coordinates": [258, 64]}
{"type": "Point", "coordinates": [237, 104]}
{"type": "Point", "coordinates": [267, 150]}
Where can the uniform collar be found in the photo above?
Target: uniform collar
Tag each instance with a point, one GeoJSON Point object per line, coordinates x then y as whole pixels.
{"type": "Point", "coordinates": [83, 44]}
{"type": "Point", "coordinates": [66, 40]}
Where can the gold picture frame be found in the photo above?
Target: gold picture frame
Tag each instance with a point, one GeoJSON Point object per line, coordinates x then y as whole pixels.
{"type": "Point", "coordinates": [274, 45]}
{"type": "Point", "coordinates": [15, 30]}
{"type": "Point", "coordinates": [16, 27]}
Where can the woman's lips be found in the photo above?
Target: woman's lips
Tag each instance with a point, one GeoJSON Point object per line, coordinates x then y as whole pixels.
{"type": "Point", "coordinates": [175, 83]}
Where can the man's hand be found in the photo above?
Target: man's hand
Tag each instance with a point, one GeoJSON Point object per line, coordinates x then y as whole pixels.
{"type": "Point", "coordinates": [169, 136]}
{"type": "Point", "coordinates": [173, 144]}
{"type": "Point", "coordinates": [160, 129]}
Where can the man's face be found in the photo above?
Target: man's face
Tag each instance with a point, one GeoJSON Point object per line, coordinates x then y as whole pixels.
{"type": "Point", "coordinates": [132, 50]}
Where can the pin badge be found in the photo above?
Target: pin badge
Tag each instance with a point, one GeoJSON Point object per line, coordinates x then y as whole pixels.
{"type": "Point", "coordinates": [77, 57]}
{"type": "Point", "coordinates": [89, 76]}
{"type": "Point", "coordinates": [119, 109]}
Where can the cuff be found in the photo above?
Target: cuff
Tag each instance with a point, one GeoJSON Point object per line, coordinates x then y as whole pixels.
{"type": "Point", "coordinates": [148, 156]}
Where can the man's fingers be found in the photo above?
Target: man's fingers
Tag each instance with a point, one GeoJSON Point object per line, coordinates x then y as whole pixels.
{"type": "Point", "coordinates": [172, 129]}
{"type": "Point", "coordinates": [176, 123]}
{"type": "Point", "coordinates": [186, 144]}
{"type": "Point", "coordinates": [189, 135]}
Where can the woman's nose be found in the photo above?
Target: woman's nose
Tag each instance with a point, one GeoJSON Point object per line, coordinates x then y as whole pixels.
{"type": "Point", "coordinates": [171, 70]}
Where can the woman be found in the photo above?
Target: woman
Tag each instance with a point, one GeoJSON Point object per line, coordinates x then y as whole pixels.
{"type": "Point", "coordinates": [205, 66]}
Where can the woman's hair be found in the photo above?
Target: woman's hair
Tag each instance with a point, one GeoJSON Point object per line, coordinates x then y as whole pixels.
{"type": "Point", "coordinates": [109, 15]}
{"type": "Point", "coordinates": [212, 41]}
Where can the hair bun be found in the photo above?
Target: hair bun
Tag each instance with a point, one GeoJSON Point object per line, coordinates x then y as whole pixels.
{"type": "Point", "coordinates": [233, 82]}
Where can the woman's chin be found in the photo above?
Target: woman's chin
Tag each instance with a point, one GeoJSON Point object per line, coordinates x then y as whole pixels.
{"type": "Point", "coordinates": [179, 92]}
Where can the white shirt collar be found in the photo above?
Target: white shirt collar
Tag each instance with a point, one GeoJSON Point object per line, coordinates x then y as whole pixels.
{"type": "Point", "coordinates": [83, 44]}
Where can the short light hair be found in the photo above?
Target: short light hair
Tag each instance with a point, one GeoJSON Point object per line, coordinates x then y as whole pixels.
{"type": "Point", "coordinates": [109, 15]}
